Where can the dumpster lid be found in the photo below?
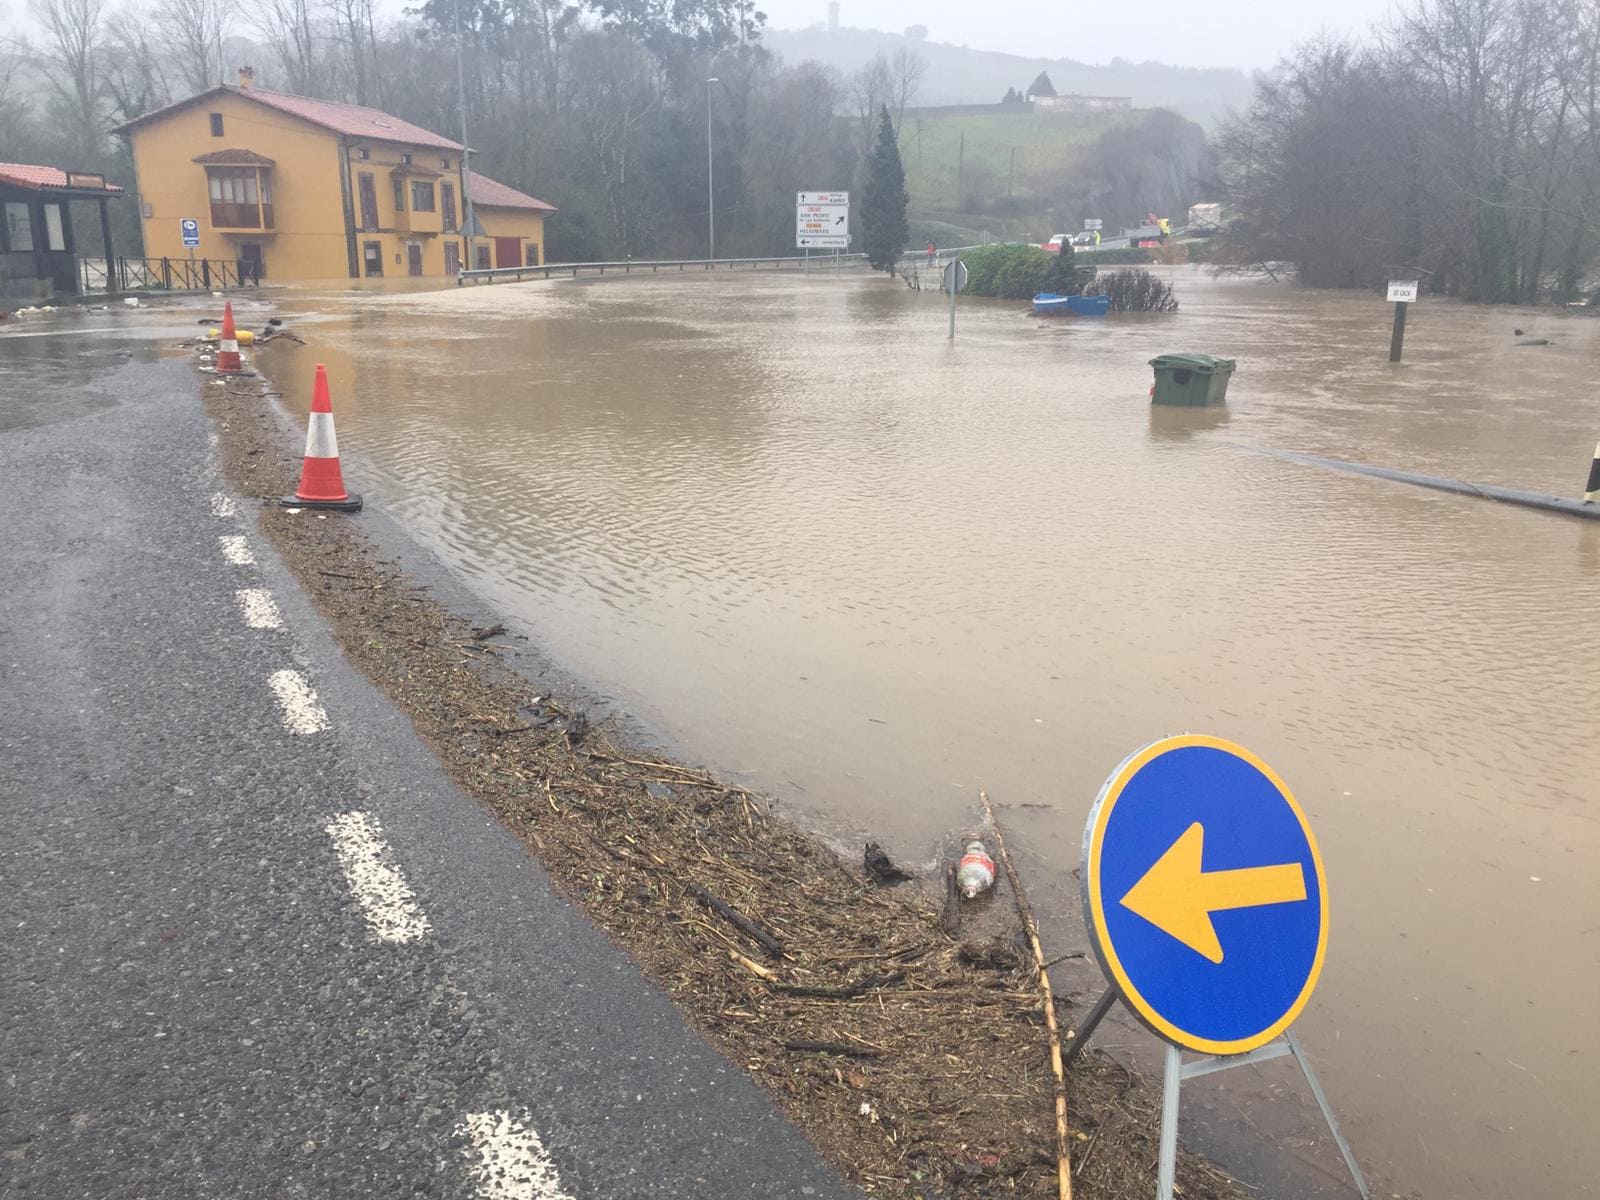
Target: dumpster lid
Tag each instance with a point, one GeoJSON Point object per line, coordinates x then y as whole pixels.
{"type": "Point", "coordinates": [1203, 363]}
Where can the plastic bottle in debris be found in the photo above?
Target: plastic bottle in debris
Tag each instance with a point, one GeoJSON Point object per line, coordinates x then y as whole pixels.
{"type": "Point", "coordinates": [975, 871]}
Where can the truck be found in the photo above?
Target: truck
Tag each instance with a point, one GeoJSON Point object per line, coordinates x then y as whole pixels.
{"type": "Point", "coordinates": [1153, 231]}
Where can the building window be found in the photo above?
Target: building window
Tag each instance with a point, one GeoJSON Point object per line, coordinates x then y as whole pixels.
{"type": "Point", "coordinates": [444, 163]}
{"type": "Point", "coordinates": [406, 158]}
{"type": "Point", "coordinates": [447, 202]}
{"type": "Point", "coordinates": [399, 197]}
{"type": "Point", "coordinates": [422, 197]}
{"type": "Point", "coordinates": [235, 199]}
{"type": "Point", "coordinates": [216, 124]}
{"type": "Point", "coordinates": [372, 255]}
{"type": "Point", "coordinates": [481, 257]}
{"type": "Point", "coordinates": [533, 254]}
{"type": "Point", "coordinates": [55, 235]}
{"type": "Point", "coordinates": [19, 227]}
{"type": "Point", "coordinates": [368, 188]}
{"type": "Point", "coordinates": [363, 153]}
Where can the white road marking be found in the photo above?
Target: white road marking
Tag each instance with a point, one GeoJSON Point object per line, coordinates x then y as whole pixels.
{"type": "Point", "coordinates": [237, 551]}
{"type": "Point", "coordinates": [380, 889]}
{"type": "Point", "coordinates": [260, 609]}
{"type": "Point", "coordinates": [511, 1162]}
{"type": "Point", "coordinates": [302, 711]}
{"type": "Point", "coordinates": [223, 506]}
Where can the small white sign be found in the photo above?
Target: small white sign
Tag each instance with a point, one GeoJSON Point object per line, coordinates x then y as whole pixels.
{"type": "Point", "coordinates": [1403, 291]}
{"type": "Point", "coordinates": [822, 220]}
{"type": "Point", "coordinates": [1092, 224]}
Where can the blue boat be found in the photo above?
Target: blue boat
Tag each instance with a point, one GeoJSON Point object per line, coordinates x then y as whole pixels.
{"type": "Point", "coordinates": [1049, 304]}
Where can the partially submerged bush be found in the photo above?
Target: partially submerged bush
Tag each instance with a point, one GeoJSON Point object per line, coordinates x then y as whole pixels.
{"type": "Point", "coordinates": [1013, 272]}
{"type": "Point", "coordinates": [1134, 291]}
{"type": "Point", "coordinates": [1006, 272]}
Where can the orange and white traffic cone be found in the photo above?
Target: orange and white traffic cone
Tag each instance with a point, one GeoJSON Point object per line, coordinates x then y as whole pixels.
{"type": "Point", "coordinates": [321, 484]}
{"type": "Point", "coordinates": [228, 360]}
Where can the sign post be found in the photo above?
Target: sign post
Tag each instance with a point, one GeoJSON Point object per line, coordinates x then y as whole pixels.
{"type": "Point", "coordinates": [955, 280]}
{"type": "Point", "coordinates": [822, 220]}
{"type": "Point", "coordinates": [1207, 907]}
{"type": "Point", "coordinates": [190, 228]}
{"type": "Point", "coordinates": [1401, 293]}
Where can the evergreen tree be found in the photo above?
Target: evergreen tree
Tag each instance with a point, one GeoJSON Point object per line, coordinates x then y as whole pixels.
{"type": "Point", "coordinates": [883, 205]}
{"type": "Point", "coordinates": [1042, 85]}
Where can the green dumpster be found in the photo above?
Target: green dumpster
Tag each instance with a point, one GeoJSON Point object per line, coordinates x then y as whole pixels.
{"type": "Point", "coordinates": [1190, 379]}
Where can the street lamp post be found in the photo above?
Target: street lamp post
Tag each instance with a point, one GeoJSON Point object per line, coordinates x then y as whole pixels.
{"type": "Point", "coordinates": [711, 197]}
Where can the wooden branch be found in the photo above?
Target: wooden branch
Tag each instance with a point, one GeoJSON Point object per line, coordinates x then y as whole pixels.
{"type": "Point", "coordinates": [737, 919]}
{"type": "Point", "coordinates": [860, 987]}
{"type": "Point", "coordinates": [1046, 1000]}
{"type": "Point", "coordinates": [753, 967]}
{"type": "Point", "coordinates": [833, 1048]}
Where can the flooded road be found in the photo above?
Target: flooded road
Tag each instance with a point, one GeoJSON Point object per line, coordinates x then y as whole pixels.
{"type": "Point", "coordinates": [789, 526]}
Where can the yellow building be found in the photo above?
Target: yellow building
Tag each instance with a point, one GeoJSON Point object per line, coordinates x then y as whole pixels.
{"type": "Point", "coordinates": [299, 189]}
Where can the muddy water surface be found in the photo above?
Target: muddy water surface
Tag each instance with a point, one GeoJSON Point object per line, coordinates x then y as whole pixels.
{"type": "Point", "coordinates": [788, 525]}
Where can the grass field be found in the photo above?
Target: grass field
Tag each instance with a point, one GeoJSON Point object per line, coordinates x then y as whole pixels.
{"type": "Point", "coordinates": [969, 185]}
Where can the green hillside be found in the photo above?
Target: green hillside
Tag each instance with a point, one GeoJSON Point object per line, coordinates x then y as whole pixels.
{"type": "Point", "coordinates": [959, 169]}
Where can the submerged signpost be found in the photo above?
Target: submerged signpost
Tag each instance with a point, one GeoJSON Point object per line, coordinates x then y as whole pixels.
{"type": "Point", "coordinates": [1207, 906]}
{"type": "Point", "coordinates": [1401, 293]}
{"type": "Point", "coordinates": [955, 280]}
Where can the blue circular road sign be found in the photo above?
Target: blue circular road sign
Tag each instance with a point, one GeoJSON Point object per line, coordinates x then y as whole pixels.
{"type": "Point", "coordinates": [1204, 894]}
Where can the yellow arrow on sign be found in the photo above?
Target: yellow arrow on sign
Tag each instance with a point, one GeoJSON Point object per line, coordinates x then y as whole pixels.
{"type": "Point", "coordinates": [1178, 898]}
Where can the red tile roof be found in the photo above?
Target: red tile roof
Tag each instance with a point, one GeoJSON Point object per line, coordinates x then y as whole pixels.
{"type": "Point", "coordinates": [488, 193]}
{"type": "Point", "coordinates": [36, 178]}
{"type": "Point", "coordinates": [349, 119]}
{"type": "Point", "coordinates": [233, 158]}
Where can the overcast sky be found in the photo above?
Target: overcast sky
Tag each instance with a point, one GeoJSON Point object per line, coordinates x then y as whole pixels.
{"type": "Point", "coordinates": [1190, 33]}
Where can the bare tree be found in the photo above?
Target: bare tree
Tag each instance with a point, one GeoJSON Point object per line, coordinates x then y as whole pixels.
{"type": "Point", "coordinates": [355, 30]}
{"type": "Point", "coordinates": [292, 36]}
{"type": "Point", "coordinates": [906, 72]}
{"type": "Point", "coordinates": [72, 29]}
{"type": "Point", "coordinates": [198, 27]}
{"type": "Point", "coordinates": [131, 69]}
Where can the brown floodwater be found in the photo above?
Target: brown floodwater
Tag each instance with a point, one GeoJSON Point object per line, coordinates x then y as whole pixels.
{"type": "Point", "coordinates": [788, 526]}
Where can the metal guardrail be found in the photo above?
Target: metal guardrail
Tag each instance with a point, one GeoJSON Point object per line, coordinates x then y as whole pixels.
{"type": "Point", "coordinates": [168, 274]}
{"type": "Point", "coordinates": [656, 266]}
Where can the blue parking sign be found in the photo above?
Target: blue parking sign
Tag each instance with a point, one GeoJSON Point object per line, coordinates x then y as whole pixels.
{"type": "Point", "coordinates": [191, 231]}
{"type": "Point", "coordinates": [1205, 895]}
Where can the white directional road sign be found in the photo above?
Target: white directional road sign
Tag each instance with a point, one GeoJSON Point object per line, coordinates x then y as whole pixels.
{"type": "Point", "coordinates": [1403, 291]}
{"type": "Point", "coordinates": [822, 220]}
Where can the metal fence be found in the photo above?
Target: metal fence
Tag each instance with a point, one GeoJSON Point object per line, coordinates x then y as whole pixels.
{"type": "Point", "coordinates": [168, 274]}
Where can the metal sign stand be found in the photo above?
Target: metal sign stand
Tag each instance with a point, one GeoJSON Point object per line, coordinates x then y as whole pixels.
{"type": "Point", "coordinates": [1176, 1070]}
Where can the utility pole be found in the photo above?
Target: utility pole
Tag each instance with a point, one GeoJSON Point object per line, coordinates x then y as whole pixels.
{"type": "Point", "coordinates": [961, 166]}
{"type": "Point", "coordinates": [466, 154]}
{"type": "Point", "coordinates": [1012, 174]}
{"type": "Point", "coordinates": [711, 195]}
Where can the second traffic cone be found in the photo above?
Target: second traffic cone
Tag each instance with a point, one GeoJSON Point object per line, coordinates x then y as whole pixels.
{"type": "Point", "coordinates": [321, 484]}
{"type": "Point", "coordinates": [228, 360]}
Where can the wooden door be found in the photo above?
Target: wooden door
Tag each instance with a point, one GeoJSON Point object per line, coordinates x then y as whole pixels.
{"type": "Point", "coordinates": [507, 252]}
{"type": "Point", "coordinates": [452, 258]}
{"type": "Point", "coordinates": [369, 201]}
{"type": "Point", "coordinates": [414, 257]}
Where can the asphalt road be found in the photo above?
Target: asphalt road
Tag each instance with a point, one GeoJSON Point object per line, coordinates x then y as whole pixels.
{"type": "Point", "coordinates": [253, 942]}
